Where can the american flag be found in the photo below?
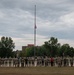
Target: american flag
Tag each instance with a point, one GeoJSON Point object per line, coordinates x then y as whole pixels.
{"type": "Point", "coordinates": [35, 26]}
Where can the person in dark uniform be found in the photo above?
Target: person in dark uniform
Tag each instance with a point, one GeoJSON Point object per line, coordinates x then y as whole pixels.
{"type": "Point", "coordinates": [71, 62]}
{"type": "Point", "coordinates": [26, 62]}
{"type": "Point", "coordinates": [65, 62]}
{"type": "Point", "coordinates": [52, 61]}
{"type": "Point", "coordinates": [18, 62]}
{"type": "Point", "coordinates": [42, 62]}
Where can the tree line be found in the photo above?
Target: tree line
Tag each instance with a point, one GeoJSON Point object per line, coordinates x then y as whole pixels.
{"type": "Point", "coordinates": [50, 48]}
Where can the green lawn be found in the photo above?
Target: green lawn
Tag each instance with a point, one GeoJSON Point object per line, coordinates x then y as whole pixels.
{"type": "Point", "coordinates": [38, 71]}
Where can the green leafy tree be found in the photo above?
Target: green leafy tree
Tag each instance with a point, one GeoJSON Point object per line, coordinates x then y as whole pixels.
{"type": "Point", "coordinates": [6, 47]}
{"type": "Point", "coordinates": [41, 51]}
{"type": "Point", "coordinates": [58, 49]}
{"type": "Point", "coordinates": [51, 46]}
{"type": "Point", "coordinates": [71, 52]}
{"type": "Point", "coordinates": [64, 51]}
{"type": "Point", "coordinates": [29, 52]}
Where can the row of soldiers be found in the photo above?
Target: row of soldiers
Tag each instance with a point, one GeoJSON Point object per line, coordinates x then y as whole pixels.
{"type": "Point", "coordinates": [61, 62]}
{"type": "Point", "coordinates": [46, 62]}
{"type": "Point", "coordinates": [24, 62]}
{"type": "Point", "coordinates": [64, 62]}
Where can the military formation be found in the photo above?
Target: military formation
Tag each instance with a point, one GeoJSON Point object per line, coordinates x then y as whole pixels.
{"type": "Point", "coordinates": [37, 61]}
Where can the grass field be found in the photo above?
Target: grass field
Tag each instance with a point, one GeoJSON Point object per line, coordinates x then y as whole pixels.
{"type": "Point", "coordinates": [38, 71]}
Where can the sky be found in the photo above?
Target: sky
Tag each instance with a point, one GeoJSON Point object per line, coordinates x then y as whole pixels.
{"type": "Point", "coordinates": [54, 18]}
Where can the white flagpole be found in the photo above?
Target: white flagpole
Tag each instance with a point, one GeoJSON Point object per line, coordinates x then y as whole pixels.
{"type": "Point", "coordinates": [35, 31]}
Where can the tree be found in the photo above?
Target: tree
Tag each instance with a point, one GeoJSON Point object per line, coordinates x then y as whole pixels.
{"type": "Point", "coordinates": [51, 46]}
{"type": "Point", "coordinates": [6, 47]}
{"type": "Point", "coordinates": [71, 52]}
{"type": "Point", "coordinates": [29, 52]}
{"type": "Point", "coordinates": [41, 51]}
{"type": "Point", "coordinates": [64, 50]}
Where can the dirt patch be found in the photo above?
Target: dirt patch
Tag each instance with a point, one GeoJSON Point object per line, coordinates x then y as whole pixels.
{"type": "Point", "coordinates": [38, 71]}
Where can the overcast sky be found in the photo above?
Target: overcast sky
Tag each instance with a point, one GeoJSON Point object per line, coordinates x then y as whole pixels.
{"type": "Point", "coordinates": [54, 18]}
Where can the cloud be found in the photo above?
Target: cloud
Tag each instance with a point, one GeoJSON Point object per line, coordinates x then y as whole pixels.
{"type": "Point", "coordinates": [15, 21]}
{"type": "Point", "coordinates": [53, 18]}
{"type": "Point", "coordinates": [68, 19]}
{"type": "Point", "coordinates": [67, 41]}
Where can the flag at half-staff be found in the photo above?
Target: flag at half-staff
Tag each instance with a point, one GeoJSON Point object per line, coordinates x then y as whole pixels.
{"type": "Point", "coordinates": [35, 27]}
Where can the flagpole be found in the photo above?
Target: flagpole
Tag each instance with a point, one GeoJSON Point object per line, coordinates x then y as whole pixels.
{"type": "Point", "coordinates": [35, 31]}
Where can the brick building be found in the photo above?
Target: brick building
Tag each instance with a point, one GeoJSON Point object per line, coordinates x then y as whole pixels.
{"type": "Point", "coordinates": [29, 45]}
